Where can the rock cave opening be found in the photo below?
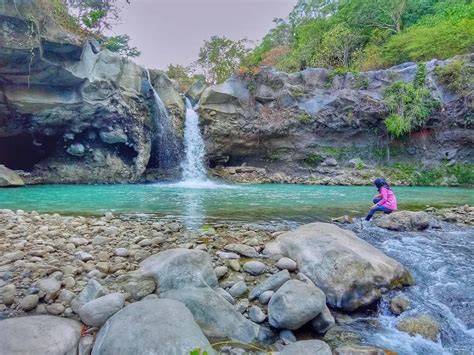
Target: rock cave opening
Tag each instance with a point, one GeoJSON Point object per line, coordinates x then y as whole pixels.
{"type": "Point", "coordinates": [127, 153]}
{"type": "Point", "coordinates": [22, 152]}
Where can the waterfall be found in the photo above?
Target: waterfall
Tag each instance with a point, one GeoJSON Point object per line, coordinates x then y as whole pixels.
{"type": "Point", "coordinates": [193, 164]}
{"type": "Point", "coordinates": [165, 143]}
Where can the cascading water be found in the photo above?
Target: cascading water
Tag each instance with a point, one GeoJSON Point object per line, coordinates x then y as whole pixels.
{"type": "Point", "coordinates": [193, 164]}
{"type": "Point", "coordinates": [165, 146]}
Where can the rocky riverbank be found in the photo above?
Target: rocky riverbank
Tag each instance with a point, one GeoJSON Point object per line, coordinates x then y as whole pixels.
{"type": "Point", "coordinates": [250, 284]}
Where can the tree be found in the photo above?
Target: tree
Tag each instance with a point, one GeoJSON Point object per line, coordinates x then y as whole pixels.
{"type": "Point", "coordinates": [96, 15]}
{"type": "Point", "coordinates": [383, 14]}
{"type": "Point", "coordinates": [220, 57]}
{"type": "Point", "coordinates": [310, 9]}
{"type": "Point", "coordinates": [181, 74]}
{"type": "Point", "coordinates": [120, 44]}
{"type": "Point", "coordinates": [337, 47]}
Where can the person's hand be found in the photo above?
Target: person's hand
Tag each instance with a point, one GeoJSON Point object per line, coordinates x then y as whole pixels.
{"type": "Point", "coordinates": [373, 207]}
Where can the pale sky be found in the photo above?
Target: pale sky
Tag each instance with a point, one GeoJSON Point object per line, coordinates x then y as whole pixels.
{"type": "Point", "coordinates": [172, 31]}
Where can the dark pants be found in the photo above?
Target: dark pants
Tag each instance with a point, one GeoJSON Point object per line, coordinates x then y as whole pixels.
{"type": "Point", "coordinates": [377, 209]}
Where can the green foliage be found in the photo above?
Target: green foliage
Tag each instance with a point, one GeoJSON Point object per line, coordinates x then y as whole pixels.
{"type": "Point", "coordinates": [359, 164]}
{"type": "Point", "coordinates": [220, 57]}
{"type": "Point", "coordinates": [198, 351]}
{"type": "Point", "coordinates": [420, 76]}
{"type": "Point", "coordinates": [304, 117]}
{"type": "Point", "coordinates": [409, 106]}
{"type": "Point", "coordinates": [368, 34]}
{"type": "Point", "coordinates": [457, 76]}
{"type": "Point", "coordinates": [416, 174]}
{"type": "Point", "coordinates": [120, 44]}
{"type": "Point", "coordinates": [397, 125]}
{"type": "Point", "coordinates": [313, 159]}
{"type": "Point", "coordinates": [443, 35]}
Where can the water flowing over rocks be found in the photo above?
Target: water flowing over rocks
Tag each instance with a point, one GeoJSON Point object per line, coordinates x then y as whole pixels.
{"type": "Point", "coordinates": [351, 272]}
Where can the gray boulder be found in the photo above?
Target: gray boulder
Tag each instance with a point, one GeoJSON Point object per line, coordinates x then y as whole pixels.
{"type": "Point", "coordinates": [195, 90]}
{"type": "Point", "coordinates": [215, 315]}
{"type": "Point", "coordinates": [113, 136]}
{"type": "Point", "coordinates": [242, 249]}
{"type": "Point", "coordinates": [353, 349]}
{"type": "Point", "coordinates": [177, 268]}
{"type": "Point", "coordinates": [39, 335]}
{"type": "Point", "coordinates": [351, 272]}
{"type": "Point", "coordinates": [92, 291]}
{"type": "Point", "coordinates": [151, 327]}
{"type": "Point", "coordinates": [8, 178]}
{"type": "Point", "coordinates": [294, 305]}
{"type": "Point", "coordinates": [404, 221]}
{"type": "Point", "coordinates": [324, 321]}
{"type": "Point", "coordinates": [307, 347]}
{"type": "Point", "coordinates": [96, 312]}
{"type": "Point", "coordinates": [76, 149]}
{"type": "Point", "coordinates": [272, 283]}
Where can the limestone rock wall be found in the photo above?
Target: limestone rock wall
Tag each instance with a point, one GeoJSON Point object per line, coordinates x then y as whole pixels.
{"type": "Point", "coordinates": [70, 111]}
{"type": "Point", "coordinates": [293, 122]}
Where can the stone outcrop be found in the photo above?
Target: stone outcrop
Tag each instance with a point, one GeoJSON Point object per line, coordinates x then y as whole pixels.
{"type": "Point", "coordinates": [71, 111]}
{"type": "Point", "coordinates": [9, 178]}
{"type": "Point", "coordinates": [315, 123]}
{"type": "Point", "coordinates": [404, 221]}
{"type": "Point", "coordinates": [151, 327]}
{"type": "Point", "coordinates": [351, 272]}
{"type": "Point", "coordinates": [39, 335]}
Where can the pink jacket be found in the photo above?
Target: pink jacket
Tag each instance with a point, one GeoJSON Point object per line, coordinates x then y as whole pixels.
{"type": "Point", "coordinates": [388, 199]}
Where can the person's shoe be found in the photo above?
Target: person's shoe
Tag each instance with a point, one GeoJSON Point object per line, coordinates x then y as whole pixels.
{"type": "Point", "coordinates": [364, 223]}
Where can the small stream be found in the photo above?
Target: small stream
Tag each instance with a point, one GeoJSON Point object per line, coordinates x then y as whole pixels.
{"type": "Point", "coordinates": [442, 263]}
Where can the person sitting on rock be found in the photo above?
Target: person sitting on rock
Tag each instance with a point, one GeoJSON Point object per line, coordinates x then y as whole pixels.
{"type": "Point", "coordinates": [385, 201]}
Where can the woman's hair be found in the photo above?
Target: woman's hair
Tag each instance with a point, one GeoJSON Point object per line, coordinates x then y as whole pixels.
{"type": "Point", "coordinates": [380, 182]}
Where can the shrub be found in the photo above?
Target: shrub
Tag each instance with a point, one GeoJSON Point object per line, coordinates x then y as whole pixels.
{"type": "Point", "coordinates": [275, 55]}
{"type": "Point", "coordinates": [397, 125]}
{"type": "Point", "coordinates": [409, 106]}
{"type": "Point", "coordinates": [312, 159]}
{"type": "Point", "coordinates": [457, 77]}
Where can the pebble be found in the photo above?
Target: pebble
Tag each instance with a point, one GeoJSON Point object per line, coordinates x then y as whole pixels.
{"type": "Point", "coordinates": [121, 252]}
{"type": "Point", "coordinates": [221, 271]}
{"type": "Point", "coordinates": [265, 297]}
{"type": "Point", "coordinates": [242, 306]}
{"type": "Point", "coordinates": [238, 289]}
{"type": "Point", "coordinates": [29, 302]}
{"type": "Point", "coordinates": [83, 256]}
{"type": "Point", "coordinates": [287, 336]}
{"type": "Point", "coordinates": [256, 314]}
{"type": "Point", "coordinates": [254, 268]}
{"type": "Point", "coordinates": [226, 255]}
{"type": "Point", "coordinates": [234, 265]}
{"type": "Point", "coordinates": [8, 294]}
{"type": "Point", "coordinates": [55, 308]}
{"type": "Point", "coordinates": [286, 263]}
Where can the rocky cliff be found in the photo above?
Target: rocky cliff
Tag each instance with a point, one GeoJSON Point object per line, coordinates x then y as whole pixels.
{"type": "Point", "coordinates": [71, 111]}
{"type": "Point", "coordinates": [315, 122]}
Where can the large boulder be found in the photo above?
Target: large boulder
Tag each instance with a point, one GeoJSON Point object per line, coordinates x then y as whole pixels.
{"type": "Point", "coordinates": [422, 324]}
{"type": "Point", "coordinates": [96, 312]}
{"type": "Point", "coordinates": [295, 304]}
{"type": "Point", "coordinates": [151, 327]}
{"type": "Point", "coordinates": [351, 272]}
{"type": "Point", "coordinates": [307, 347]}
{"type": "Point", "coordinates": [8, 178]}
{"type": "Point", "coordinates": [39, 335]}
{"type": "Point", "coordinates": [404, 221]}
{"type": "Point", "coordinates": [174, 269]}
{"type": "Point", "coordinates": [216, 316]}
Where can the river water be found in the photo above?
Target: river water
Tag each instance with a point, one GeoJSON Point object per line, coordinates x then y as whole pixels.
{"type": "Point", "coordinates": [441, 261]}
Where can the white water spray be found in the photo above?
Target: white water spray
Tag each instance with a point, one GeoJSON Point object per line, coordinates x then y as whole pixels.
{"type": "Point", "coordinates": [193, 167]}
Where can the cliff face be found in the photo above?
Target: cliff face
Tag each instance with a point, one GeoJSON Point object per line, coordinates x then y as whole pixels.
{"type": "Point", "coordinates": [304, 122]}
{"type": "Point", "coordinates": [70, 111]}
